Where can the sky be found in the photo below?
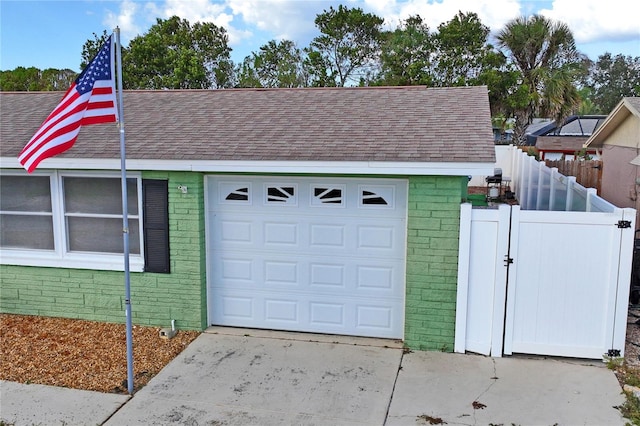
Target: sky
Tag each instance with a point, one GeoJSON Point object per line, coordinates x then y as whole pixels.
{"type": "Point", "coordinates": [51, 33]}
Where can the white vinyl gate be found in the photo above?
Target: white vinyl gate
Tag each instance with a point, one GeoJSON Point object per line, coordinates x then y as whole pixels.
{"type": "Point", "coordinates": [543, 282]}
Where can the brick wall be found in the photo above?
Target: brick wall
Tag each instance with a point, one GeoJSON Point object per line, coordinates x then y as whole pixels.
{"type": "Point", "coordinates": [156, 299]}
{"type": "Point", "coordinates": [432, 262]}
{"type": "Point", "coordinates": [432, 256]}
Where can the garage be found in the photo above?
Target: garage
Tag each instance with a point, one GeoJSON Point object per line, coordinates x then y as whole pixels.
{"type": "Point", "coordinates": [323, 255]}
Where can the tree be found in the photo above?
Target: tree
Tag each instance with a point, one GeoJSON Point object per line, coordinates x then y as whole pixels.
{"type": "Point", "coordinates": [34, 80]}
{"type": "Point", "coordinates": [462, 51]}
{"type": "Point", "coordinates": [612, 78]}
{"type": "Point", "coordinates": [91, 47]}
{"type": "Point", "coordinates": [348, 47]}
{"type": "Point", "coordinates": [405, 57]}
{"type": "Point", "coordinates": [55, 79]}
{"type": "Point", "coordinates": [545, 55]}
{"type": "Point", "coordinates": [175, 55]}
{"type": "Point", "coordinates": [277, 64]}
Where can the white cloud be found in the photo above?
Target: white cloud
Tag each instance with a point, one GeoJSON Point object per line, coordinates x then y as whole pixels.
{"type": "Point", "coordinates": [284, 19]}
{"type": "Point", "coordinates": [252, 23]}
{"type": "Point", "coordinates": [198, 11]}
{"type": "Point", "coordinates": [125, 19]}
{"type": "Point", "coordinates": [492, 13]}
{"type": "Point", "coordinates": [598, 20]}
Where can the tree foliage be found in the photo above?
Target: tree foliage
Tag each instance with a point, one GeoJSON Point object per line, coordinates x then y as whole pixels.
{"type": "Point", "coordinates": [277, 64]}
{"type": "Point", "coordinates": [176, 55]}
{"type": "Point", "coordinates": [91, 47]}
{"type": "Point", "coordinates": [612, 78]}
{"type": "Point", "coordinates": [544, 53]}
{"type": "Point", "coordinates": [535, 70]}
{"type": "Point", "coordinates": [32, 79]}
{"type": "Point", "coordinates": [347, 48]}
{"type": "Point", "coordinates": [462, 51]}
{"type": "Point", "coordinates": [405, 57]}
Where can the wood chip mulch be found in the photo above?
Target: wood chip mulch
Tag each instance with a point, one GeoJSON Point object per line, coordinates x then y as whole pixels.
{"type": "Point", "coordinates": [82, 354]}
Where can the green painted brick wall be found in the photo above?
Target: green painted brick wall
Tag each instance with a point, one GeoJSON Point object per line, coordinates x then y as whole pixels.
{"type": "Point", "coordinates": [431, 273]}
{"type": "Point", "coordinates": [432, 261]}
{"type": "Point", "coordinates": [156, 299]}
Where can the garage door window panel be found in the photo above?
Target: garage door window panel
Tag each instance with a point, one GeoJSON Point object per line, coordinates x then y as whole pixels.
{"type": "Point", "coordinates": [377, 196]}
{"type": "Point", "coordinates": [327, 196]}
{"type": "Point", "coordinates": [234, 193]}
{"type": "Point", "coordinates": [281, 194]}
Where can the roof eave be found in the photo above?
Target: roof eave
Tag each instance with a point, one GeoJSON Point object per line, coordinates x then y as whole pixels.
{"type": "Point", "coordinates": [303, 167]}
{"type": "Point", "coordinates": [613, 120]}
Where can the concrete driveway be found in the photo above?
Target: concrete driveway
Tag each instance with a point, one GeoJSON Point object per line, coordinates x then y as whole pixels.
{"type": "Point", "coordinates": [269, 380]}
{"type": "Point", "coordinates": [249, 377]}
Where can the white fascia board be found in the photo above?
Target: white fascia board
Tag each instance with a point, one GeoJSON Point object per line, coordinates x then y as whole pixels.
{"type": "Point", "coordinates": [307, 167]}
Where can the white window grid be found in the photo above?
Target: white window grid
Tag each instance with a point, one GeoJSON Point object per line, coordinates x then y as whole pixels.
{"type": "Point", "coordinates": [61, 256]}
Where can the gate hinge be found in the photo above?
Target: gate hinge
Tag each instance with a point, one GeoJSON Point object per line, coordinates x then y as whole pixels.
{"type": "Point", "coordinates": [507, 260]}
{"type": "Point", "coordinates": [613, 353]}
{"type": "Point", "coordinates": [623, 224]}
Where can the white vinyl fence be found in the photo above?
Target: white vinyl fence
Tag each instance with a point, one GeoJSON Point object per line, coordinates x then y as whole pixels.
{"type": "Point", "coordinates": [539, 187]}
{"type": "Point", "coordinates": [550, 276]}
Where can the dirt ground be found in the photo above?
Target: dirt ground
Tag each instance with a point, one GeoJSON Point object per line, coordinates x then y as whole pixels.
{"type": "Point", "coordinates": [82, 354]}
{"type": "Point", "coordinates": [632, 348]}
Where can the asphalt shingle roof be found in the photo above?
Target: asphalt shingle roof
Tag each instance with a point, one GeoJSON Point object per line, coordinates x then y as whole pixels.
{"type": "Point", "coordinates": [396, 124]}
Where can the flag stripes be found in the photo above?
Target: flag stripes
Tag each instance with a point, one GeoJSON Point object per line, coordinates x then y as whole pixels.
{"type": "Point", "coordinates": [91, 99]}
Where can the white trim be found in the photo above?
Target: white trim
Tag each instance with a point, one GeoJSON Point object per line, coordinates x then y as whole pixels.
{"type": "Point", "coordinates": [271, 166]}
{"type": "Point", "coordinates": [98, 261]}
{"type": "Point", "coordinates": [462, 296]}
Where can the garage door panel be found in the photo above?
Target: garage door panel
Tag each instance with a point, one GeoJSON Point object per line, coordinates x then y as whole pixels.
{"type": "Point", "coordinates": [326, 236]}
{"type": "Point", "coordinates": [313, 235]}
{"type": "Point", "coordinates": [374, 317]}
{"type": "Point", "coordinates": [307, 254]}
{"type": "Point", "coordinates": [280, 272]}
{"type": "Point", "coordinates": [281, 233]}
{"type": "Point", "coordinates": [312, 313]}
{"type": "Point", "coordinates": [320, 274]}
{"type": "Point", "coordinates": [236, 231]}
{"type": "Point", "coordinates": [238, 269]}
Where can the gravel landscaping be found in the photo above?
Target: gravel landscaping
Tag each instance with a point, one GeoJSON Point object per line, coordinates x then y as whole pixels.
{"type": "Point", "coordinates": [82, 354]}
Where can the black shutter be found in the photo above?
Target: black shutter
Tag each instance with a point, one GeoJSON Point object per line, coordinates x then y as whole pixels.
{"type": "Point", "coordinates": [155, 195]}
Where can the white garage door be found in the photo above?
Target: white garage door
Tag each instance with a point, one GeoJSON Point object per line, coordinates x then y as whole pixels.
{"type": "Point", "coordinates": [305, 254]}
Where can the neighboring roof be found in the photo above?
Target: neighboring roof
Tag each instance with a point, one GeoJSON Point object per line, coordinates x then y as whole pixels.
{"type": "Point", "coordinates": [625, 108]}
{"type": "Point", "coordinates": [574, 126]}
{"type": "Point", "coordinates": [561, 143]}
{"type": "Point", "coordinates": [382, 124]}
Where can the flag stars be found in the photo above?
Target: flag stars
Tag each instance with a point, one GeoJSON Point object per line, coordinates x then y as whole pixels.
{"type": "Point", "coordinates": [98, 69]}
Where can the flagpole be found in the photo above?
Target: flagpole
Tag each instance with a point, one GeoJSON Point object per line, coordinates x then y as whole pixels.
{"type": "Point", "coordinates": [125, 218]}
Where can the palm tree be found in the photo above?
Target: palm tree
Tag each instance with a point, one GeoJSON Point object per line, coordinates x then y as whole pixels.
{"type": "Point", "coordinates": [544, 53]}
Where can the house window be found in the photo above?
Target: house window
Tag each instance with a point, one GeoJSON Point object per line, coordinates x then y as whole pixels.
{"type": "Point", "coordinates": [93, 214]}
{"type": "Point", "coordinates": [69, 220]}
{"type": "Point", "coordinates": [26, 216]}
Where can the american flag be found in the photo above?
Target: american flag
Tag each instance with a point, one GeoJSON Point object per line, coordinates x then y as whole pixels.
{"type": "Point", "coordinates": [91, 99]}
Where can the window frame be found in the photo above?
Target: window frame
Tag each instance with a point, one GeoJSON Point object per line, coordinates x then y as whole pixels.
{"type": "Point", "coordinates": [60, 256]}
